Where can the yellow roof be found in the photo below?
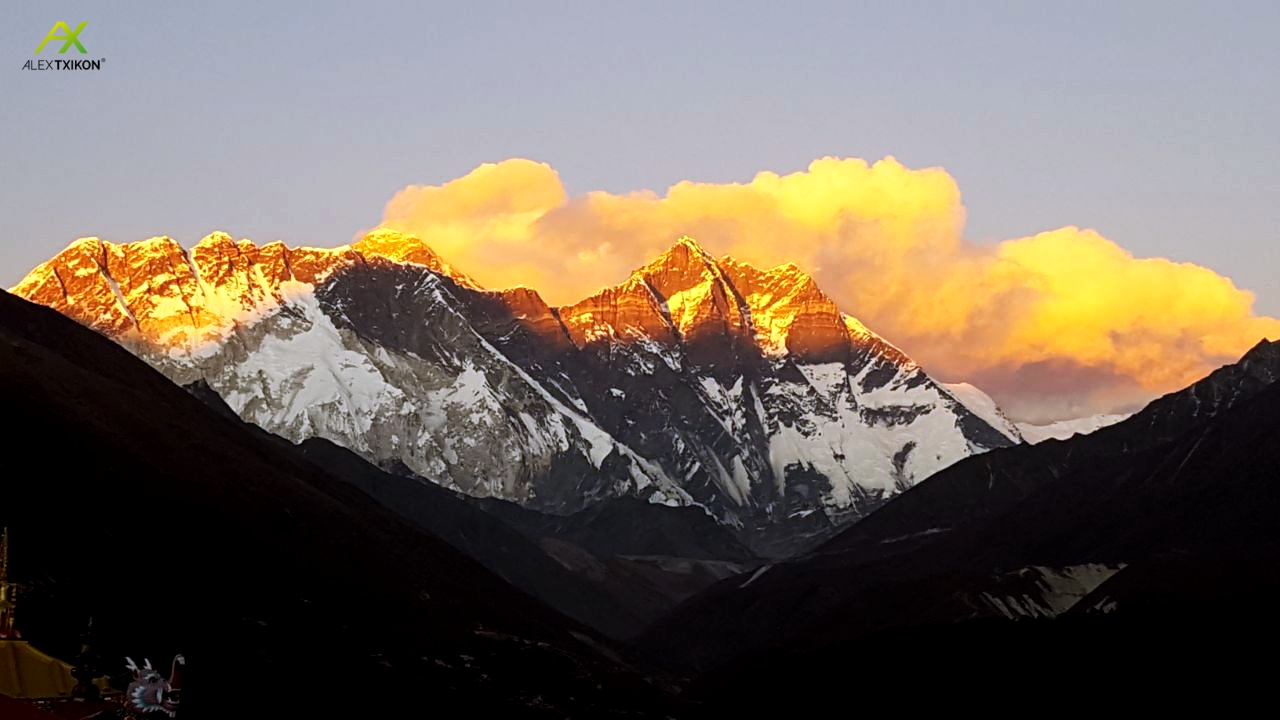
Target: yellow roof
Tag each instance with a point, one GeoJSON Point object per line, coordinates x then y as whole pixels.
{"type": "Point", "coordinates": [27, 673]}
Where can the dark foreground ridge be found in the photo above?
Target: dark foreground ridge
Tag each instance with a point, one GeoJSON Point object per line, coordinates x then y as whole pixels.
{"type": "Point", "coordinates": [1144, 558]}
{"type": "Point", "coordinates": [289, 591]}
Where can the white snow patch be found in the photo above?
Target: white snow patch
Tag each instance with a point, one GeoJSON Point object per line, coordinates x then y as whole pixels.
{"type": "Point", "coordinates": [908, 536]}
{"type": "Point", "coordinates": [1064, 429]}
{"type": "Point", "coordinates": [851, 436]}
{"type": "Point", "coordinates": [332, 376]}
{"type": "Point", "coordinates": [981, 404]}
{"type": "Point", "coordinates": [755, 575]}
{"type": "Point", "coordinates": [1052, 591]}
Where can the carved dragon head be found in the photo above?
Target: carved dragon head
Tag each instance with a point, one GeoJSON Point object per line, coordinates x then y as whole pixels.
{"type": "Point", "coordinates": [151, 692]}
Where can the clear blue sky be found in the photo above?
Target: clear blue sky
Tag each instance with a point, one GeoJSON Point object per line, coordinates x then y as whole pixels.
{"type": "Point", "coordinates": [1155, 123]}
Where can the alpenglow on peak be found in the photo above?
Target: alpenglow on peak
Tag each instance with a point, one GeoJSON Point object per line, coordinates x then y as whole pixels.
{"type": "Point", "coordinates": [695, 381]}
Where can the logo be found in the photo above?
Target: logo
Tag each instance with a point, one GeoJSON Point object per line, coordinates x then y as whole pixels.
{"type": "Point", "coordinates": [62, 31]}
{"type": "Point", "coordinates": [72, 38]}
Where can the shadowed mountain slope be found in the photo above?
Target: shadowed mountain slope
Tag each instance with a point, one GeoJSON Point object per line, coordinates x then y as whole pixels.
{"type": "Point", "coordinates": [1146, 550]}
{"type": "Point", "coordinates": [179, 530]}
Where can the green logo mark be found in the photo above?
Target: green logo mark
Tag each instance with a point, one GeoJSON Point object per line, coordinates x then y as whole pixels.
{"type": "Point", "coordinates": [70, 37]}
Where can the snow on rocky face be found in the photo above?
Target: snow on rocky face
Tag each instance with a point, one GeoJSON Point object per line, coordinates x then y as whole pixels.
{"type": "Point", "coordinates": [696, 381]}
{"type": "Point", "coordinates": [984, 407]}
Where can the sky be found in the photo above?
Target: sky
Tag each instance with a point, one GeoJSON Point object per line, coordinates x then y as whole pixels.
{"type": "Point", "coordinates": [1151, 123]}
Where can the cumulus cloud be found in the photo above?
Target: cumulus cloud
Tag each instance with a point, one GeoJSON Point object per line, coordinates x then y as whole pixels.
{"type": "Point", "coordinates": [1058, 324]}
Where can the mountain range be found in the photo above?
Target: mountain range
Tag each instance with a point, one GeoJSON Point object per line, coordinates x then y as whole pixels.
{"type": "Point", "coordinates": [697, 382]}
{"type": "Point", "coordinates": [704, 491]}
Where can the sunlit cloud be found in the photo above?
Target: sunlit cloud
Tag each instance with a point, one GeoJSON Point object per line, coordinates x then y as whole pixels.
{"type": "Point", "coordinates": [1057, 324]}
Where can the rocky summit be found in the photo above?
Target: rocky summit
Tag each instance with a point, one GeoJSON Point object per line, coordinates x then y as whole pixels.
{"type": "Point", "coordinates": [697, 381]}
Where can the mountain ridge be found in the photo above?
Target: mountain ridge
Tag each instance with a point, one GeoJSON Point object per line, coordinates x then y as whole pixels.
{"type": "Point", "coordinates": [218, 265]}
{"type": "Point", "coordinates": [1078, 527]}
{"type": "Point", "coordinates": [695, 381]}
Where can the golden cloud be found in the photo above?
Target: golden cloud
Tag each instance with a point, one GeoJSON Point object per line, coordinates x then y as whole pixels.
{"type": "Point", "coordinates": [887, 243]}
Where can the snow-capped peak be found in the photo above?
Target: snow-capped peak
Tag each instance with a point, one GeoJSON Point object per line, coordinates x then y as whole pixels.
{"type": "Point", "coordinates": [712, 382]}
{"type": "Point", "coordinates": [402, 247]}
{"type": "Point", "coordinates": [687, 295]}
{"type": "Point", "coordinates": [984, 407]}
{"type": "Point", "coordinates": [1063, 429]}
